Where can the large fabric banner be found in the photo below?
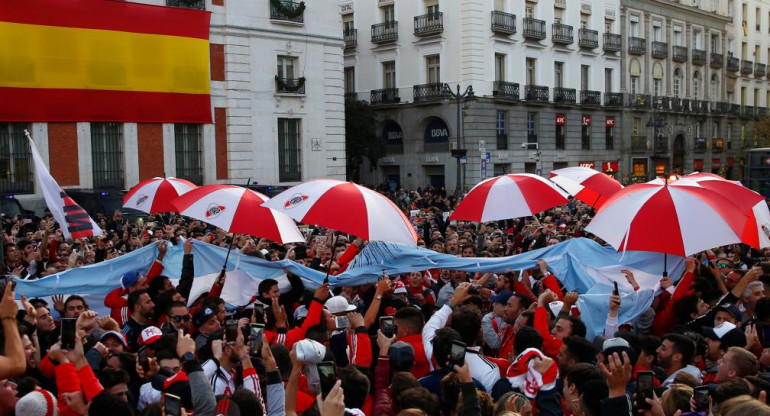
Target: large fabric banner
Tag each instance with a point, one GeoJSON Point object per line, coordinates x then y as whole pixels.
{"type": "Point", "coordinates": [580, 264]}
{"type": "Point", "coordinates": [103, 60]}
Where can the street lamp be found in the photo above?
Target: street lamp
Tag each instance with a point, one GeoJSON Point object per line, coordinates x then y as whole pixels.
{"type": "Point", "coordinates": [656, 123]}
{"type": "Point", "coordinates": [459, 152]}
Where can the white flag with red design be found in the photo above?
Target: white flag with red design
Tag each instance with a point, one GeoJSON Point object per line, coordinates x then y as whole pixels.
{"type": "Point", "coordinates": [72, 218]}
{"type": "Point", "coordinates": [523, 376]}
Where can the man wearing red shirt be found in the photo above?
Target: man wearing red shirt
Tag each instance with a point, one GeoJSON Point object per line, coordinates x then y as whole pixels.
{"type": "Point", "coordinates": [409, 322]}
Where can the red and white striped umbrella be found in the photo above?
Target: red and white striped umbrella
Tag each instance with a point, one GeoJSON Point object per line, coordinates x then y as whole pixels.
{"type": "Point", "coordinates": [756, 231]}
{"type": "Point", "coordinates": [347, 207]}
{"type": "Point", "coordinates": [586, 184]}
{"type": "Point", "coordinates": [509, 196]}
{"type": "Point", "coordinates": [660, 217]}
{"type": "Point", "coordinates": [238, 210]}
{"type": "Point", "coordinates": [154, 195]}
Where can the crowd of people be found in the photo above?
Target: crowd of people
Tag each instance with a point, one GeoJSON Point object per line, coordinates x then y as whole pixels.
{"type": "Point", "coordinates": [429, 342]}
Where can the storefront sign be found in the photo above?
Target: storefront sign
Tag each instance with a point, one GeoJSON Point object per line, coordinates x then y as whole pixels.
{"type": "Point", "coordinates": [716, 163]}
{"type": "Point", "coordinates": [590, 165]}
{"type": "Point", "coordinates": [586, 120]}
{"type": "Point", "coordinates": [610, 121]}
{"type": "Point", "coordinates": [697, 165]}
{"type": "Point", "coordinates": [561, 119]}
{"type": "Point", "coordinates": [610, 166]}
{"type": "Point", "coordinates": [392, 133]}
{"type": "Point", "coordinates": [436, 131]}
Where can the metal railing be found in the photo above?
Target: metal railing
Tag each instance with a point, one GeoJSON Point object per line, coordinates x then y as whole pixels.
{"type": "Point", "coordinates": [536, 93]}
{"type": "Point", "coordinates": [188, 139]}
{"type": "Point", "coordinates": [679, 53]}
{"type": "Point", "coordinates": [717, 60]}
{"type": "Point", "coordinates": [588, 97]}
{"type": "Point", "coordinates": [196, 5]}
{"type": "Point", "coordinates": [503, 22]}
{"type": "Point", "coordinates": [384, 96]}
{"type": "Point", "coordinates": [588, 38]}
{"type": "Point", "coordinates": [761, 112]}
{"type": "Point", "coordinates": [534, 28]}
{"type": "Point", "coordinates": [733, 64]}
{"type": "Point", "coordinates": [16, 175]}
{"type": "Point", "coordinates": [639, 143]}
{"type": "Point", "coordinates": [735, 109]}
{"type": "Point", "coordinates": [700, 144]}
{"type": "Point", "coordinates": [505, 90]}
{"type": "Point", "coordinates": [661, 102]}
{"type": "Point", "coordinates": [561, 33]}
{"type": "Point", "coordinates": [613, 99]}
{"type": "Point", "coordinates": [428, 92]}
{"type": "Point", "coordinates": [277, 13]}
{"type": "Point", "coordinates": [429, 24]}
{"type": "Point", "coordinates": [385, 32]}
{"type": "Point", "coordinates": [563, 95]}
{"type": "Point", "coordinates": [760, 69]}
{"type": "Point", "coordinates": [612, 42]}
{"type": "Point", "coordinates": [747, 67]}
{"type": "Point", "coordinates": [107, 155]}
{"type": "Point", "coordinates": [639, 101]}
{"type": "Point", "coordinates": [676, 104]}
{"type": "Point", "coordinates": [748, 111]}
{"type": "Point", "coordinates": [290, 85]}
{"type": "Point", "coordinates": [698, 57]}
{"type": "Point", "coordinates": [659, 50]}
{"type": "Point", "coordinates": [637, 46]}
{"type": "Point", "coordinates": [351, 38]}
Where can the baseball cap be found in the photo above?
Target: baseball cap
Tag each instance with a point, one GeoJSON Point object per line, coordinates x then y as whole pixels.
{"type": "Point", "coordinates": [729, 334]}
{"type": "Point", "coordinates": [618, 345]}
{"type": "Point", "coordinates": [399, 288]}
{"type": "Point", "coordinates": [129, 279]}
{"type": "Point", "coordinates": [501, 297]}
{"type": "Point", "coordinates": [731, 309]}
{"type": "Point", "coordinates": [202, 316]}
{"type": "Point", "coordinates": [149, 335]}
{"type": "Point", "coordinates": [401, 355]}
{"type": "Point", "coordinates": [338, 304]}
{"type": "Point", "coordinates": [116, 334]}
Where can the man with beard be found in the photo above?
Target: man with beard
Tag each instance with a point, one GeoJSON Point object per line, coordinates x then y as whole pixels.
{"type": "Point", "coordinates": [674, 356]}
{"type": "Point", "coordinates": [142, 309]}
{"type": "Point", "coordinates": [46, 327]}
{"type": "Point", "coordinates": [516, 305]}
{"type": "Point", "coordinates": [448, 290]}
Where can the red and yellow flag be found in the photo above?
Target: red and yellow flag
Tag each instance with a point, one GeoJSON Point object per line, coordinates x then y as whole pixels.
{"type": "Point", "coordinates": [103, 60]}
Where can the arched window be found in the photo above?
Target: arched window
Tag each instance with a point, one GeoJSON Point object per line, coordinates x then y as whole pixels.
{"type": "Point", "coordinates": [677, 82]}
{"type": "Point", "coordinates": [635, 69]}
{"type": "Point", "coordinates": [657, 80]}
{"type": "Point", "coordinates": [696, 85]}
{"type": "Point", "coordinates": [715, 95]}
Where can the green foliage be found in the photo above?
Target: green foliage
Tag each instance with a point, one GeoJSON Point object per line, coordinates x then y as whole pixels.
{"type": "Point", "coordinates": [361, 139]}
{"type": "Point", "coordinates": [762, 132]}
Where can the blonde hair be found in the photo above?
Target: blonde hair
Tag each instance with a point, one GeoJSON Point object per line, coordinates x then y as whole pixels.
{"type": "Point", "coordinates": [678, 398]}
{"type": "Point", "coordinates": [747, 407]}
{"type": "Point", "coordinates": [728, 405]}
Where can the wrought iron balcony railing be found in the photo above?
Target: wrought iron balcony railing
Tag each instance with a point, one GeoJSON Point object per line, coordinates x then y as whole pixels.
{"type": "Point", "coordinates": [385, 32]}
{"type": "Point", "coordinates": [534, 28]}
{"type": "Point", "coordinates": [505, 90]}
{"type": "Point", "coordinates": [717, 60]}
{"type": "Point", "coordinates": [429, 24]}
{"type": "Point", "coordinates": [351, 38]}
{"type": "Point", "coordinates": [561, 33]}
{"type": "Point", "coordinates": [588, 38]}
{"type": "Point", "coordinates": [659, 50]}
{"type": "Point", "coordinates": [504, 23]}
{"type": "Point", "coordinates": [384, 96]}
{"type": "Point", "coordinates": [613, 99]}
{"type": "Point", "coordinates": [679, 53]}
{"type": "Point", "coordinates": [637, 46]}
{"type": "Point", "coordinates": [563, 95]}
{"type": "Point", "coordinates": [429, 92]}
{"type": "Point", "coordinates": [536, 93]}
{"type": "Point", "coordinates": [612, 42]}
{"type": "Point", "coordinates": [588, 97]}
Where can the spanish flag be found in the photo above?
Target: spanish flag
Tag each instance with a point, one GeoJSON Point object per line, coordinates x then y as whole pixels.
{"type": "Point", "coordinates": [103, 60]}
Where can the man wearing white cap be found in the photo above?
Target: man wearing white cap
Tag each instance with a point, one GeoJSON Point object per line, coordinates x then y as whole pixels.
{"type": "Point", "coordinates": [351, 343]}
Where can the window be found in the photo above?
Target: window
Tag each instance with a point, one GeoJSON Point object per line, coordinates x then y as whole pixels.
{"type": "Point", "coordinates": [500, 5]}
{"type": "Point", "coordinates": [350, 80]}
{"type": "Point", "coordinates": [289, 157]}
{"type": "Point", "coordinates": [678, 35]}
{"type": "Point", "coordinates": [585, 133]}
{"type": "Point", "coordinates": [532, 127]}
{"type": "Point", "coordinates": [499, 67]}
{"type": "Point", "coordinates": [558, 75]}
{"type": "Point", "coordinates": [561, 127]}
{"type": "Point", "coordinates": [347, 25]}
{"type": "Point", "coordinates": [636, 126]}
{"type": "Point", "coordinates": [656, 84]}
{"type": "Point", "coordinates": [558, 15]}
{"type": "Point", "coordinates": [609, 133]}
{"type": "Point", "coordinates": [657, 31]}
{"type": "Point", "coordinates": [696, 38]}
{"type": "Point", "coordinates": [715, 95]}
{"type": "Point", "coordinates": [286, 65]}
{"type": "Point", "coordinates": [584, 77]}
{"type": "Point", "coordinates": [529, 11]}
{"type": "Point", "coordinates": [107, 155]}
{"type": "Point", "coordinates": [677, 83]}
{"type": "Point", "coordinates": [388, 14]}
{"type": "Point", "coordinates": [634, 84]}
{"type": "Point", "coordinates": [607, 79]}
{"type": "Point", "coordinates": [743, 95]}
{"type": "Point", "coordinates": [729, 136]}
{"type": "Point", "coordinates": [756, 97]}
{"type": "Point", "coordinates": [389, 74]}
{"type": "Point", "coordinates": [432, 9]}
{"type": "Point", "coordinates": [433, 68]}
{"type": "Point", "coordinates": [715, 129]}
{"type": "Point", "coordinates": [502, 131]}
{"type": "Point", "coordinates": [608, 26]}
{"type": "Point", "coordinates": [531, 71]}
{"type": "Point", "coordinates": [15, 160]}
{"type": "Point", "coordinates": [634, 23]}
{"type": "Point", "coordinates": [757, 18]}
{"type": "Point", "coordinates": [714, 6]}
{"type": "Point", "coordinates": [584, 22]}
{"type": "Point", "coordinates": [696, 85]}
{"type": "Point", "coordinates": [745, 51]}
{"type": "Point", "coordinates": [715, 44]}
{"type": "Point", "coordinates": [188, 139]}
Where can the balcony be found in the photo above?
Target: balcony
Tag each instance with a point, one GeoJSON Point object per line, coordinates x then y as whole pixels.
{"type": "Point", "coordinates": [717, 60]}
{"type": "Point", "coordinates": [534, 28]}
{"type": "Point", "coordinates": [748, 111]}
{"type": "Point", "coordinates": [504, 23]}
{"type": "Point", "coordinates": [747, 67]}
{"type": "Point", "coordinates": [719, 108]}
{"type": "Point", "coordinates": [561, 33]}
{"type": "Point", "coordinates": [661, 144]}
{"type": "Point", "coordinates": [429, 24]}
{"type": "Point", "coordinates": [637, 46]}
{"type": "Point", "coordinates": [661, 103]}
{"type": "Point", "coordinates": [698, 56]}
{"type": "Point", "coordinates": [588, 97]}
{"type": "Point", "coordinates": [761, 112]}
{"type": "Point", "coordinates": [505, 90]}
{"type": "Point", "coordinates": [676, 104]}
{"type": "Point", "coordinates": [385, 96]}
{"type": "Point", "coordinates": [385, 32]}
{"type": "Point", "coordinates": [733, 64]}
{"type": "Point", "coordinates": [612, 42]}
{"type": "Point", "coordinates": [700, 144]}
{"type": "Point", "coordinates": [286, 11]}
{"type": "Point", "coordinates": [760, 70]}
{"type": "Point", "coordinates": [717, 145]}
{"type": "Point", "coordinates": [196, 4]}
{"type": "Point", "coordinates": [434, 91]}
{"type": "Point", "coordinates": [659, 50]}
{"type": "Point", "coordinates": [351, 38]}
{"type": "Point", "coordinates": [735, 110]}
{"type": "Point", "coordinates": [289, 85]}
{"type": "Point", "coordinates": [679, 53]}
{"type": "Point", "coordinates": [639, 101]}
{"type": "Point", "coordinates": [588, 38]}
{"type": "Point", "coordinates": [699, 106]}
{"type": "Point", "coordinates": [536, 93]}
{"type": "Point", "coordinates": [638, 143]}
{"type": "Point", "coordinates": [563, 95]}
{"type": "Point", "coordinates": [686, 105]}
{"type": "Point", "coordinates": [613, 99]}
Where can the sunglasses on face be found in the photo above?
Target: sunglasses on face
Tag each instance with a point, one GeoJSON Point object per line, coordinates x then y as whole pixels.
{"type": "Point", "coordinates": [178, 319]}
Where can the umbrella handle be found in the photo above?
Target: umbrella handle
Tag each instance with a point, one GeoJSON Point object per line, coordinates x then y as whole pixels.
{"type": "Point", "coordinates": [227, 257]}
{"type": "Point", "coordinates": [665, 264]}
